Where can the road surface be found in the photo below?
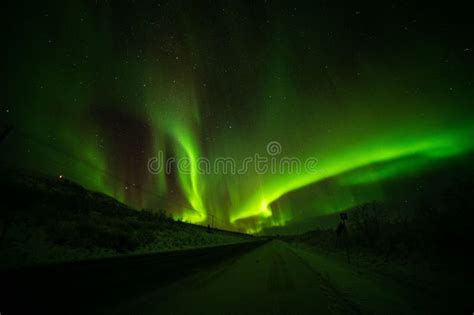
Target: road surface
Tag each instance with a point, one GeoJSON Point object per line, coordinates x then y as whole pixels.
{"type": "Point", "coordinates": [275, 278]}
{"type": "Point", "coordinates": [253, 278]}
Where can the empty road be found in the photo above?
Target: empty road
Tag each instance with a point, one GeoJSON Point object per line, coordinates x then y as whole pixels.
{"type": "Point", "coordinates": [275, 278]}
{"type": "Point", "coordinates": [271, 277]}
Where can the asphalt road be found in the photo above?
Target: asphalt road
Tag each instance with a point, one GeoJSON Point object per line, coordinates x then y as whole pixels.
{"type": "Point", "coordinates": [251, 278]}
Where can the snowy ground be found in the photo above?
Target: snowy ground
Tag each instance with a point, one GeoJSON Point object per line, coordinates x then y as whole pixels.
{"type": "Point", "coordinates": [278, 278]}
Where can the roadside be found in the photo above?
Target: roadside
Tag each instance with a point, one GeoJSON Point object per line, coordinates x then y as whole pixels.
{"type": "Point", "coordinates": [90, 286]}
{"type": "Point", "coordinates": [432, 289]}
{"type": "Point", "coordinates": [47, 220]}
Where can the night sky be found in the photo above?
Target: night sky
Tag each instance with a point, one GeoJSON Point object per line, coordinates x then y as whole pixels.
{"type": "Point", "coordinates": [94, 89]}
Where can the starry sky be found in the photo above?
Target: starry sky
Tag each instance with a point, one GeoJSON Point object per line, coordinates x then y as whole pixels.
{"type": "Point", "coordinates": [373, 92]}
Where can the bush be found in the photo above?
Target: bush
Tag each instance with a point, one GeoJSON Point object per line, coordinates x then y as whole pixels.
{"type": "Point", "coordinates": [431, 233]}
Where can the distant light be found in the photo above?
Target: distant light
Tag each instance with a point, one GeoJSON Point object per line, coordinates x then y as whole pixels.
{"type": "Point", "coordinates": [60, 176]}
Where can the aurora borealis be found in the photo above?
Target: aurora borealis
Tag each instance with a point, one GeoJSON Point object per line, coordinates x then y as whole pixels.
{"type": "Point", "coordinates": [94, 89]}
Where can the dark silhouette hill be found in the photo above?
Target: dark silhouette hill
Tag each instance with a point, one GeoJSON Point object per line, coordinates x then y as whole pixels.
{"type": "Point", "coordinates": [45, 219]}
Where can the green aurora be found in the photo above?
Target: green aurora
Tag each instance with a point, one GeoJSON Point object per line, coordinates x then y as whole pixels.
{"type": "Point", "coordinates": [96, 89]}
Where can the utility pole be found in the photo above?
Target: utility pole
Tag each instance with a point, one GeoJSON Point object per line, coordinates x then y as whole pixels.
{"type": "Point", "coordinates": [345, 236]}
{"type": "Point", "coordinates": [212, 220]}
